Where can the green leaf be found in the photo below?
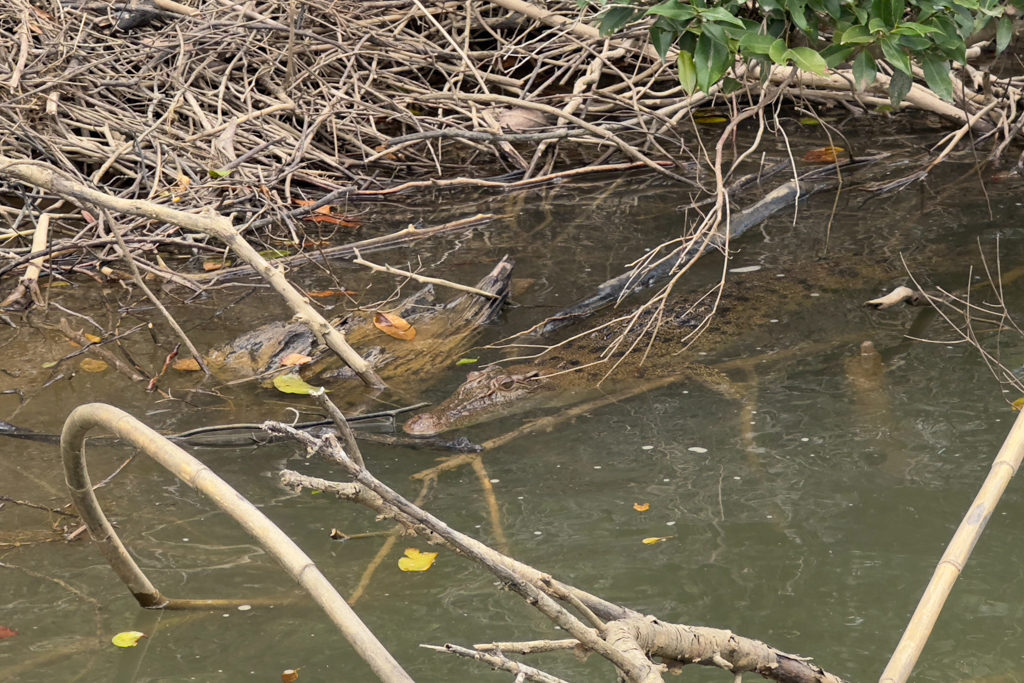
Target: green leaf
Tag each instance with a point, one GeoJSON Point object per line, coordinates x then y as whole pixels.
{"type": "Point", "coordinates": [730, 85]}
{"type": "Point", "coordinates": [916, 28]}
{"type": "Point", "coordinates": [777, 51]}
{"type": "Point", "coordinates": [662, 39]}
{"type": "Point", "coordinates": [673, 10]}
{"type": "Point", "coordinates": [270, 254]}
{"type": "Point", "coordinates": [467, 361]}
{"type": "Point", "coordinates": [1004, 31]}
{"type": "Point", "coordinates": [864, 70]}
{"type": "Point", "coordinates": [889, 11]}
{"type": "Point", "coordinates": [712, 59]}
{"type": "Point", "coordinates": [798, 12]}
{"type": "Point", "coordinates": [899, 86]}
{"type": "Point", "coordinates": [721, 15]}
{"type": "Point", "coordinates": [217, 173]}
{"type": "Point", "coordinates": [807, 59]}
{"type": "Point", "coordinates": [834, 55]}
{"type": "Point", "coordinates": [293, 384]}
{"type": "Point", "coordinates": [896, 56]}
{"type": "Point", "coordinates": [936, 73]}
{"type": "Point", "coordinates": [614, 19]}
{"type": "Point", "coordinates": [756, 43]}
{"type": "Point", "coordinates": [687, 72]}
{"type": "Point", "coordinates": [877, 25]}
{"type": "Point", "coordinates": [856, 35]}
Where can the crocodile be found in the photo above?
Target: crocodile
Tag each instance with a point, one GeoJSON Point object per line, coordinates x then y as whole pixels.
{"type": "Point", "coordinates": [749, 307]}
{"type": "Point", "coordinates": [443, 331]}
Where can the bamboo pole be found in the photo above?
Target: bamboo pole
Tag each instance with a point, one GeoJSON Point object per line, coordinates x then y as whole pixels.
{"type": "Point", "coordinates": [953, 560]}
{"type": "Point", "coordinates": [197, 475]}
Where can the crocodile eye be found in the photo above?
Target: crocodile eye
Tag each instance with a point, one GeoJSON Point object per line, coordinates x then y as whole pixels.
{"type": "Point", "coordinates": [505, 383]}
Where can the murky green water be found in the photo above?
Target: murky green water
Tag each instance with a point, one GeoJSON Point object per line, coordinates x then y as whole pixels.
{"type": "Point", "coordinates": [809, 513]}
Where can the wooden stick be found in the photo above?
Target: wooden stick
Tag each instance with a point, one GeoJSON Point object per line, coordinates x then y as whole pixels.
{"type": "Point", "coordinates": [915, 636]}
{"type": "Point", "coordinates": [422, 278]}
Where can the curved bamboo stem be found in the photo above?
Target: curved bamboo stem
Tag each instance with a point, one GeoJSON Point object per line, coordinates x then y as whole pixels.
{"type": "Point", "coordinates": [957, 552]}
{"type": "Point", "coordinates": [197, 475]}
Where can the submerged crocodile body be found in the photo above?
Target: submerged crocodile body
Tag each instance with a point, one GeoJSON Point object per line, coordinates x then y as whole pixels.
{"type": "Point", "coordinates": [750, 310]}
{"type": "Point", "coordinates": [443, 332]}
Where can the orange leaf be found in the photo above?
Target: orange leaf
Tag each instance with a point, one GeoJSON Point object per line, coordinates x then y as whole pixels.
{"type": "Point", "coordinates": [210, 266]}
{"type": "Point", "coordinates": [7, 632]}
{"type": "Point", "coordinates": [93, 338]}
{"type": "Point", "coordinates": [328, 293]}
{"type": "Point", "coordinates": [186, 365]}
{"type": "Point", "coordinates": [394, 326]}
{"type": "Point", "coordinates": [295, 359]}
{"type": "Point", "coordinates": [641, 507]}
{"type": "Point", "coordinates": [824, 155]}
{"type": "Point", "coordinates": [289, 675]}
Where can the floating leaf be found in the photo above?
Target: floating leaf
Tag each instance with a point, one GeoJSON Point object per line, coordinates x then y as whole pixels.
{"type": "Point", "coordinates": [93, 365]}
{"type": "Point", "coordinates": [212, 265]}
{"type": "Point", "coordinates": [823, 155]}
{"type": "Point", "coordinates": [415, 561]}
{"type": "Point", "coordinates": [709, 120]}
{"type": "Point", "coordinates": [293, 384]}
{"type": "Point", "coordinates": [1018, 405]}
{"type": "Point", "coordinates": [641, 507]}
{"type": "Point", "coordinates": [93, 338]}
{"type": "Point", "coordinates": [295, 359]}
{"type": "Point", "coordinates": [50, 364]}
{"type": "Point", "coordinates": [655, 540]}
{"type": "Point", "coordinates": [127, 638]}
{"type": "Point", "coordinates": [186, 365]}
{"type": "Point", "coordinates": [394, 326]}
{"type": "Point", "coordinates": [289, 675]}
{"type": "Point", "coordinates": [338, 535]}
{"type": "Point", "coordinates": [7, 632]}
{"type": "Point", "coordinates": [328, 293]}
{"type": "Point", "coordinates": [467, 361]}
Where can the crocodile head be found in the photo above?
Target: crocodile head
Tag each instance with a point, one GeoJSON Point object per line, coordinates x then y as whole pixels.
{"type": "Point", "coordinates": [483, 396]}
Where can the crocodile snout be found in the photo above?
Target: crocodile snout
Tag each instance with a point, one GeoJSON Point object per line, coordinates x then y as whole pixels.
{"type": "Point", "coordinates": [423, 424]}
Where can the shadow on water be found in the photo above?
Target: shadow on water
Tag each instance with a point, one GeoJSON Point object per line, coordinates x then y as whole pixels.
{"type": "Point", "coordinates": [808, 513]}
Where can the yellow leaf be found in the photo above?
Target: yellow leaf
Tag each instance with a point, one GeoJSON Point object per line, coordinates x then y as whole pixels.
{"type": "Point", "coordinates": [1017, 405]}
{"type": "Point", "coordinates": [394, 326]}
{"type": "Point", "coordinates": [415, 561]}
{"type": "Point", "coordinates": [294, 359]}
{"type": "Point", "coordinates": [93, 338]}
{"type": "Point", "coordinates": [709, 120]}
{"type": "Point", "coordinates": [641, 507]}
{"type": "Point", "coordinates": [655, 540]}
{"type": "Point", "coordinates": [293, 384]}
{"type": "Point", "coordinates": [127, 638]}
{"type": "Point", "coordinates": [186, 365]}
{"type": "Point", "coordinates": [93, 365]}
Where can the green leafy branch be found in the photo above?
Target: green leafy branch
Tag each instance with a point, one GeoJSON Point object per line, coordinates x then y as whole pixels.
{"type": "Point", "coordinates": [815, 35]}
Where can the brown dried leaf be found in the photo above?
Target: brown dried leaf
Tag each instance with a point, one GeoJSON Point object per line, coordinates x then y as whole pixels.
{"type": "Point", "coordinates": [394, 326]}
{"type": "Point", "coordinates": [186, 365]}
{"type": "Point", "coordinates": [824, 155]}
{"type": "Point", "coordinates": [93, 365]}
{"type": "Point", "coordinates": [295, 359]}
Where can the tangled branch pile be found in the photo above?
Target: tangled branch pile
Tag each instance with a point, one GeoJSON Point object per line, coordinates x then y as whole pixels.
{"type": "Point", "coordinates": [354, 96]}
